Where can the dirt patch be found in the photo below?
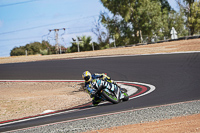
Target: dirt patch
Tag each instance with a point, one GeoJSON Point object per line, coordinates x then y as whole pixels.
{"type": "Point", "coordinates": [185, 124]}
{"type": "Point", "coordinates": [23, 99]}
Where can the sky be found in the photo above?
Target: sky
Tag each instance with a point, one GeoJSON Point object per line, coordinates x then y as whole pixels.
{"type": "Point", "coordinates": [26, 21]}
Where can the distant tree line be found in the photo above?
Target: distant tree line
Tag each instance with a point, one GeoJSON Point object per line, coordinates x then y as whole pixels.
{"type": "Point", "coordinates": [43, 48]}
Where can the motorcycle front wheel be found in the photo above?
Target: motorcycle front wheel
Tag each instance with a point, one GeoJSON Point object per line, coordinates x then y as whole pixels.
{"type": "Point", "coordinates": [110, 97]}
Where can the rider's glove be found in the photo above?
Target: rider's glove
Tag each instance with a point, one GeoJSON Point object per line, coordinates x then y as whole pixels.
{"type": "Point", "coordinates": [105, 79]}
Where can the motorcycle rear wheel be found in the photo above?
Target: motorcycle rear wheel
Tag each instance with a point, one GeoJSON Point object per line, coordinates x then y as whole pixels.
{"type": "Point", "coordinates": [126, 97]}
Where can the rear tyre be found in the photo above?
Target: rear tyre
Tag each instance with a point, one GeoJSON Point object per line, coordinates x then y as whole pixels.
{"type": "Point", "coordinates": [126, 97]}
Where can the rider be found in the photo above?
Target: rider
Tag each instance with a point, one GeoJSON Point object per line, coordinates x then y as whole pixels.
{"type": "Point", "coordinates": [91, 88]}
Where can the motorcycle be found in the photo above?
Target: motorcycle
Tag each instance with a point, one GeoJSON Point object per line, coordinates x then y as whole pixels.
{"type": "Point", "coordinates": [110, 91]}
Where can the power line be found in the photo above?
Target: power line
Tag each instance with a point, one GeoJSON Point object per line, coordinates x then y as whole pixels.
{"type": "Point", "coordinates": [12, 39]}
{"type": "Point", "coordinates": [79, 32]}
{"type": "Point", "coordinates": [13, 44]}
{"type": "Point", "coordinates": [45, 25]}
{"type": "Point", "coordinates": [12, 4]}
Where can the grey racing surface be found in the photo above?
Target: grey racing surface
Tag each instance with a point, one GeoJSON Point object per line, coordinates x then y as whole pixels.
{"type": "Point", "coordinates": [175, 76]}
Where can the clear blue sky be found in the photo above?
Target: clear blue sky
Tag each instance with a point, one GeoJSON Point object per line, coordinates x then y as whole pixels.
{"type": "Point", "coordinates": [26, 21]}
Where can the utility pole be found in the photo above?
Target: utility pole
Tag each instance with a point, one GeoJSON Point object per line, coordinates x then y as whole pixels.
{"type": "Point", "coordinates": [58, 47]}
{"type": "Point", "coordinates": [56, 39]}
{"type": "Point", "coordinates": [114, 41]}
{"type": "Point", "coordinates": [92, 46]}
{"type": "Point", "coordinates": [78, 42]}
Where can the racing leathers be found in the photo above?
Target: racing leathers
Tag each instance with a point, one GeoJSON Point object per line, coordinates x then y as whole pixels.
{"type": "Point", "coordinates": [91, 87]}
{"type": "Point", "coordinates": [88, 85]}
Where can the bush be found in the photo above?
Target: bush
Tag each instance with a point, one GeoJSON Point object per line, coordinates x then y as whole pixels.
{"type": "Point", "coordinates": [44, 52]}
{"type": "Point", "coordinates": [17, 52]}
{"type": "Point", "coordinates": [32, 49]}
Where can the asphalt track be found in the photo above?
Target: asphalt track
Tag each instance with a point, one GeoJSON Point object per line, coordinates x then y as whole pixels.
{"type": "Point", "coordinates": [175, 76]}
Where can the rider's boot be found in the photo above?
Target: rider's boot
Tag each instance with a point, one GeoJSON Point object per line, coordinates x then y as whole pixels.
{"type": "Point", "coordinates": [96, 101]}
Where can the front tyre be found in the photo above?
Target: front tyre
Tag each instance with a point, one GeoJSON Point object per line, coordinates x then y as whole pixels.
{"type": "Point", "coordinates": [110, 97]}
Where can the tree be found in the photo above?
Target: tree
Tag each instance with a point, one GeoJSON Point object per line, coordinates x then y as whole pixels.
{"type": "Point", "coordinates": [178, 21]}
{"type": "Point", "coordinates": [151, 18]}
{"type": "Point", "coordinates": [32, 48]}
{"type": "Point", "coordinates": [191, 9]}
{"type": "Point", "coordinates": [102, 34]}
{"type": "Point", "coordinates": [84, 45]}
{"type": "Point", "coordinates": [164, 5]}
{"type": "Point", "coordinates": [145, 16]}
{"type": "Point", "coordinates": [17, 51]}
{"type": "Point", "coordinates": [119, 30]}
{"type": "Point", "coordinates": [194, 19]}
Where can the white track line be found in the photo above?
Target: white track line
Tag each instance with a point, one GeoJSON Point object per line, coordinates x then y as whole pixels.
{"type": "Point", "coordinates": [130, 89]}
{"type": "Point", "coordinates": [152, 88]}
{"type": "Point", "coordinates": [37, 117]}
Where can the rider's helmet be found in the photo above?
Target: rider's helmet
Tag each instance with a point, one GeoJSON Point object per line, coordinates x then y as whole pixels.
{"type": "Point", "coordinates": [87, 76]}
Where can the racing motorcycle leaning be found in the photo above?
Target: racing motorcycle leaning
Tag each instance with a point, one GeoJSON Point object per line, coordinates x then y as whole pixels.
{"type": "Point", "coordinates": [109, 91]}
